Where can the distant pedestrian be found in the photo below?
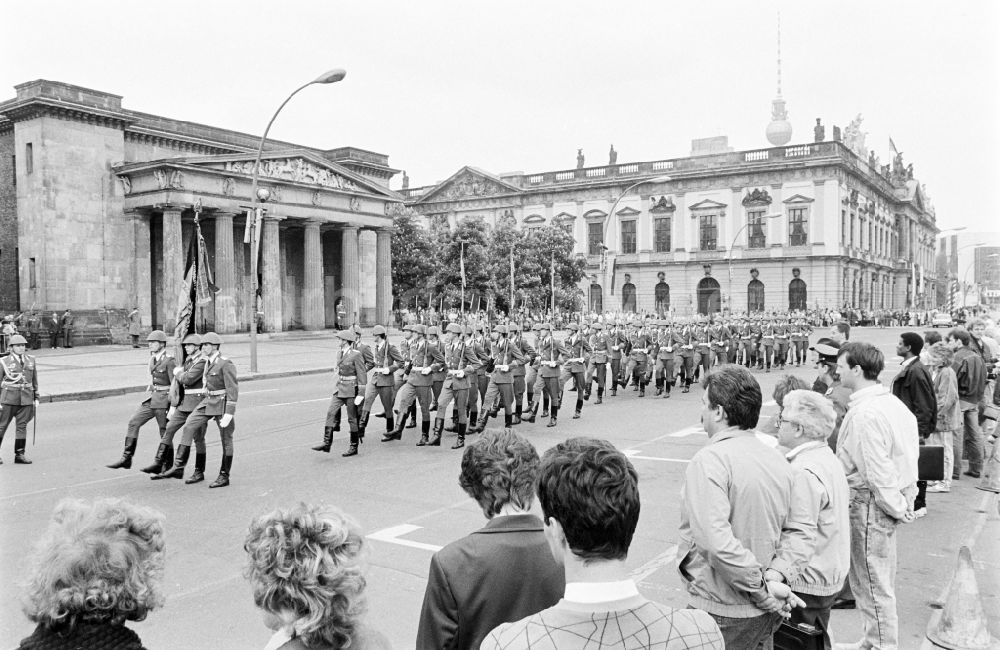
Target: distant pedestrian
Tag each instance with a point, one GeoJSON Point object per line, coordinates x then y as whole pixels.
{"type": "Point", "coordinates": [67, 326]}
{"type": "Point", "coordinates": [134, 326]}
{"type": "Point", "coordinates": [914, 387]}
{"type": "Point", "coordinates": [948, 423]}
{"type": "Point", "coordinates": [970, 373]}
{"type": "Point", "coordinates": [54, 330]}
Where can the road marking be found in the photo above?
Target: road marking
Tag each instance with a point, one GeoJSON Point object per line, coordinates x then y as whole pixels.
{"type": "Point", "coordinates": [262, 390]}
{"type": "Point", "coordinates": [649, 568]}
{"type": "Point", "coordinates": [634, 453]}
{"type": "Point", "coordinates": [65, 487]}
{"type": "Point", "coordinates": [304, 401]}
{"type": "Point", "coordinates": [689, 431]}
{"type": "Point", "coordinates": [392, 535]}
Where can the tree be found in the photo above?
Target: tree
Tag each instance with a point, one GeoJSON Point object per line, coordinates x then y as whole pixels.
{"type": "Point", "coordinates": [552, 245]}
{"type": "Point", "coordinates": [505, 242]}
{"type": "Point", "coordinates": [414, 262]}
{"type": "Point", "coordinates": [449, 246]}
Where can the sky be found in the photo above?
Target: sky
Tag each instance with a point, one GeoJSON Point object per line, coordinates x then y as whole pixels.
{"type": "Point", "coordinates": [520, 86]}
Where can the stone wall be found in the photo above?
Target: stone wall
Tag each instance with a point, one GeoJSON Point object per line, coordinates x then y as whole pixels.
{"type": "Point", "coordinates": [8, 226]}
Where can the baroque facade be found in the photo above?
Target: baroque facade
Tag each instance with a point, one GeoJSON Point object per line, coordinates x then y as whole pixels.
{"type": "Point", "coordinates": [788, 227]}
{"type": "Point", "coordinates": [98, 205]}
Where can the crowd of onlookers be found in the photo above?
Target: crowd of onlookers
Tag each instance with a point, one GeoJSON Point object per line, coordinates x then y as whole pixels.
{"type": "Point", "coordinates": [780, 521]}
{"type": "Point", "coordinates": [35, 326]}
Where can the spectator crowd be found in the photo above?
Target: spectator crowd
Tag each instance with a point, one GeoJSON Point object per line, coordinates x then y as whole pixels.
{"type": "Point", "coordinates": [770, 531]}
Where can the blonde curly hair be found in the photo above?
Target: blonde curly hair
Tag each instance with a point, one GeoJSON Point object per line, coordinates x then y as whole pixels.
{"type": "Point", "coordinates": [98, 562]}
{"type": "Point", "coordinates": [305, 567]}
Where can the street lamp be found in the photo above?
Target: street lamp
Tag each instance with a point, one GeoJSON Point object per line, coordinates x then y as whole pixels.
{"type": "Point", "coordinates": [260, 196]}
{"type": "Point", "coordinates": [729, 256]}
{"type": "Point", "coordinates": [614, 206]}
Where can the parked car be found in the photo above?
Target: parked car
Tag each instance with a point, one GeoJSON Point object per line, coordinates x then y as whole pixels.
{"type": "Point", "coordinates": [942, 320]}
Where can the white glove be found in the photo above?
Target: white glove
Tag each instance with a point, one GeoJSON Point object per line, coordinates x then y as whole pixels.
{"type": "Point", "coordinates": [226, 420]}
{"type": "Point", "coordinates": [178, 371]}
{"type": "Point", "coordinates": [425, 371]}
{"type": "Point", "coordinates": [358, 400]}
{"type": "Point", "coordinates": [503, 368]}
{"type": "Point", "coordinates": [385, 371]}
{"type": "Point", "coordinates": [170, 412]}
{"type": "Point", "coordinates": [552, 364]}
{"type": "Point", "coordinates": [460, 374]}
{"type": "Point", "coordinates": [36, 403]}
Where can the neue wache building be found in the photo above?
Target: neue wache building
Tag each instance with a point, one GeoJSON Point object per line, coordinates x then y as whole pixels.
{"type": "Point", "coordinates": [97, 209]}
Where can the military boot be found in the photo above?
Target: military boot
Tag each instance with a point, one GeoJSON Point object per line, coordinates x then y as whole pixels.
{"type": "Point", "coordinates": [327, 440]}
{"type": "Point", "coordinates": [362, 425]}
{"type": "Point", "coordinates": [460, 440]}
{"type": "Point", "coordinates": [19, 457]}
{"type": "Point", "coordinates": [413, 417]}
{"type": "Point", "coordinates": [126, 460]}
{"type": "Point", "coordinates": [532, 413]}
{"type": "Point", "coordinates": [507, 421]}
{"type": "Point", "coordinates": [436, 438]}
{"type": "Point", "coordinates": [223, 478]}
{"type": "Point", "coordinates": [600, 396]}
{"type": "Point", "coordinates": [199, 469]}
{"type": "Point", "coordinates": [659, 386]}
{"type": "Point", "coordinates": [553, 419]}
{"type": "Point", "coordinates": [177, 471]}
{"type": "Point", "coordinates": [159, 462]}
{"type": "Point", "coordinates": [396, 433]}
{"type": "Point", "coordinates": [579, 409]}
{"type": "Point", "coordinates": [517, 414]}
{"type": "Point", "coordinates": [425, 430]}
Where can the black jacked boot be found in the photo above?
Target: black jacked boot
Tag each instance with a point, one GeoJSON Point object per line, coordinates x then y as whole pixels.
{"type": "Point", "coordinates": [659, 386]}
{"type": "Point", "coordinates": [642, 388]}
{"type": "Point", "coordinates": [552, 420]}
{"type": "Point", "coordinates": [600, 396]}
{"type": "Point", "coordinates": [436, 438]}
{"type": "Point", "coordinates": [126, 460]}
{"type": "Point", "coordinates": [199, 469]}
{"type": "Point", "coordinates": [579, 409]}
{"type": "Point", "coordinates": [532, 412]}
{"type": "Point", "coordinates": [223, 479]}
{"type": "Point", "coordinates": [352, 449]}
{"type": "Point", "coordinates": [413, 417]}
{"type": "Point", "coordinates": [362, 425]}
{"type": "Point", "coordinates": [460, 441]}
{"type": "Point", "coordinates": [159, 461]}
{"type": "Point", "coordinates": [517, 414]}
{"type": "Point", "coordinates": [425, 430]}
{"type": "Point", "coordinates": [545, 406]}
{"type": "Point", "coordinates": [177, 471]}
{"type": "Point", "coordinates": [327, 440]}
{"type": "Point", "coordinates": [508, 420]}
{"type": "Point", "coordinates": [396, 433]}
{"type": "Point", "coordinates": [20, 458]}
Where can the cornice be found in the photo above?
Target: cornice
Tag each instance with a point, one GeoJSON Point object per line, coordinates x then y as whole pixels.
{"type": "Point", "coordinates": [43, 106]}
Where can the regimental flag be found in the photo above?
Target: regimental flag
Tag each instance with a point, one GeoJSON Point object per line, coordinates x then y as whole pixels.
{"type": "Point", "coordinates": [204, 283]}
{"type": "Point", "coordinates": [461, 263]}
{"type": "Point", "coordinates": [198, 287]}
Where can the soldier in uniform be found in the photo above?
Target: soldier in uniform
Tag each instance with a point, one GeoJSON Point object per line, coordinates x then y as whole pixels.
{"type": "Point", "coordinates": [35, 330]}
{"type": "Point", "coordinates": [617, 341]}
{"type": "Point", "coordinates": [520, 371]}
{"type": "Point", "coordinates": [157, 401]}
{"type": "Point", "coordinates": [67, 328]}
{"type": "Point", "coordinates": [687, 341]}
{"type": "Point", "coordinates": [440, 372]}
{"type": "Point", "coordinates": [387, 361]}
{"type": "Point", "coordinates": [460, 362]}
{"type": "Point", "coordinates": [533, 380]}
{"type": "Point", "coordinates": [134, 326]}
{"type": "Point", "coordinates": [576, 365]}
{"type": "Point", "coordinates": [218, 403]}
{"type": "Point", "coordinates": [419, 384]}
{"type": "Point", "coordinates": [600, 346]}
{"type": "Point", "coordinates": [638, 369]}
{"type": "Point", "coordinates": [187, 391]}
{"type": "Point", "coordinates": [800, 331]}
{"type": "Point", "coordinates": [756, 337]}
{"type": "Point", "coordinates": [352, 374]}
{"type": "Point", "coordinates": [504, 357]}
{"type": "Point", "coordinates": [551, 353]}
{"type": "Point", "coordinates": [482, 377]}
{"type": "Point", "coordinates": [720, 336]}
{"type": "Point", "coordinates": [781, 330]}
{"type": "Point", "coordinates": [767, 344]}
{"type": "Point", "coordinates": [664, 367]}
{"type": "Point", "coordinates": [702, 349]}
{"type": "Point", "coordinates": [18, 394]}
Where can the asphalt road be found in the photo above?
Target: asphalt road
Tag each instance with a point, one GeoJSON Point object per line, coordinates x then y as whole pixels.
{"type": "Point", "coordinates": [406, 498]}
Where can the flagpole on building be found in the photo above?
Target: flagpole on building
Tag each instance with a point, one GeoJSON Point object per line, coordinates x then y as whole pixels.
{"type": "Point", "coordinates": [262, 195]}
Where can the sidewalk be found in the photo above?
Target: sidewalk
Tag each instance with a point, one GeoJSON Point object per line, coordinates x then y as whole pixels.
{"type": "Point", "coordinates": [93, 372]}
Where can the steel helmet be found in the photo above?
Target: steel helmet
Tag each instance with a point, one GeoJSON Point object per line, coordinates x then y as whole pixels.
{"type": "Point", "coordinates": [347, 335]}
{"type": "Point", "coordinates": [192, 339]}
{"type": "Point", "coordinates": [378, 329]}
{"type": "Point", "coordinates": [433, 330]}
{"type": "Point", "coordinates": [211, 337]}
{"type": "Point", "coordinates": [157, 335]}
{"type": "Point", "coordinates": [454, 328]}
{"type": "Point", "coordinates": [418, 329]}
{"type": "Point", "coordinates": [17, 339]}
{"type": "Point", "coordinates": [500, 329]}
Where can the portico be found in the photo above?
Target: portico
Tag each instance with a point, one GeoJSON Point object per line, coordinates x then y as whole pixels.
{"type": "Point", "coordinates": [324, 225]}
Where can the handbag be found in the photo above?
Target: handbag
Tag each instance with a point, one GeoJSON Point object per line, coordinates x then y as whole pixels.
{"type": "Point", "coordinates": [798, 637]}
{"type": "Point", "coordinates": [930, 464]}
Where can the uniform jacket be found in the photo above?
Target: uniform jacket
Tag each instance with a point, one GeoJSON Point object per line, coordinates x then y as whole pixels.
{"type": "Point", "coordinates": [423, 355]}
{"type": "Point", "coordinates": [767, 333]}
{"type": "Point", "coordinates": [440, 372]}
{"type": "Point", "coordinates": [161, 372]}
{"type": "Point", "coordinates": [483, 350]}
{"type": "Point", "coordinates": [386, 356]}
{"type": "Point", "coordinates": [366, 354]}
{"type": "Point", "coordinates": [616, 341]}
{"type": "Point", "coordinates": [551, 350]}
{"type": "Point", "coordinates": [191, 382]}
{"type": "Point", "coordinates": [460, 355]}
{"type": "Point", "coordinates": [639, 348]}
{"type": "Point", "coordinates": [504, 353]}
{"type": "Point", "coordinates": [578, 348]}
{"type": "Point", "coordinates": [781, 332]}
{"type": "Point", "coordinates": [687, 341]}
{"type": "Point", "coordinates": [720, 336]}
{"type": "Point", "coordinates": [527, 352]}
{"type": "Point", "coordinates": [18, 380]}
{"type": "Point", "coordinates": [800, 331]}
{"type": "Point", "coordinates": [665, 345]}
{"type": "Point", "coordinates": [600, 346]}
{"type": "Point", "coordinates": [351, 373]}
{"type": "Point", "coordinates": [221, 386]}
{"type": "Point", "coordinates": [913, 385]}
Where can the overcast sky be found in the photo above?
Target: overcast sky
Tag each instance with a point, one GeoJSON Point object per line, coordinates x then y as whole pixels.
{"type": "Point", "coordinates": [521, 85]}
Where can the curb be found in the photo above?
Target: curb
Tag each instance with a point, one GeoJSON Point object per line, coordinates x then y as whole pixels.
{"type": "Point", "coordinates": [125, 390]}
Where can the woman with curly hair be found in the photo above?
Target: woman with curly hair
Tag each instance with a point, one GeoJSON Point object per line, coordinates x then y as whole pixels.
{"type": "Point", "coordinates": [306, 572]}
{"type": "Point", "coordinates": [98, 565]}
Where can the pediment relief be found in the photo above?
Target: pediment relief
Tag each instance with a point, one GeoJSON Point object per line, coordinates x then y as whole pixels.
{"type": "Point", "coordinates": [534, 219]}
{"type": "Point", "coordinates": [594, 215]}
{"type": "Point", "coordinates": [564, 216]}
{"type": "Point", "coordinates": [757, 197]}
{"type": "Point", "coordinates": [628, 211]}
{"type": "Point", "coordinates": [469, 183]}
{"type": "Point", "coordinates": [707, 205]}
{"type": "Point", "coordinates": [662, 205]}
{"type": "Point", "coordinates": [298, 170]}
{"type": "Point", "coordinates": [798, 198]}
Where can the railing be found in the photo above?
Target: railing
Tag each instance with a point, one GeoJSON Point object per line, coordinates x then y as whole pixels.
{"type": "Point", "coordinates": [754, 156]}
{"type": "Point", "coordinates": [797, 151]}
{"type": "Point", "coordinates": [631, 168]}
{"type": "Point", "coordinates": [565, 176]}
{"type": "Point", "coordinates": [536, 179]}
{"type": "Point", "coordinates": [596, 172]}
{"type": "Point", "coordinates": [662, 165]}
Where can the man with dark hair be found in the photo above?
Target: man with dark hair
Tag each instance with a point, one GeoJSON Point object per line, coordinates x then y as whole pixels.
{"type": "Point", "coordinates": [589, 495]}
{"type": "Point", "coordinates": [840, 332]}
{"type": "Point", "coordinates": [878, 448]}
{"type": "Point", "coordinates": [914, 387]}
{"type": "Point", "coordinates": [970, 371]}
{"type": "Point", "coordinates": [471, 588]}
{"type": "Point", "coordinates": [741, 537]}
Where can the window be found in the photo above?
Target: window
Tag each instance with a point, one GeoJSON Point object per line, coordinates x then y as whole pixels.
{"type": "Point", "coordinates": [29, 159]}
{"type": "Point", "coordinates": [595, 237]}
{"type": "Point", "coordinates": [797, 233]}
{"type": "Point", "coordinates": [709, 232]}
{"type": "Point", "coordinates": [843, 225]}
{"type": "Point", "coordinates": [13, 171]}
{"type": "Point", "coordinates": [628, 237]}
{"type": "Point", "coordinates": [797, 295]}
{"type": "Point", "coordinates": [32, 281]}
{"type": "Point", "coordinates": [755, 229]}
{"type": "Point", "coordinates": [852, 230]}
{"type": "Point", "coordinates": [755, 295]}
{"type": "Point", "coordinates": [661, 226]}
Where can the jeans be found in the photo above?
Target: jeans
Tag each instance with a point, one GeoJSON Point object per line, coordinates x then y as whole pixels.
{"type": "Point", "coordinates": [973, 438]}
{"type": "Point", "coordinates": [873, 570]}
{"type": "Point", "coordinates": [748, 633]}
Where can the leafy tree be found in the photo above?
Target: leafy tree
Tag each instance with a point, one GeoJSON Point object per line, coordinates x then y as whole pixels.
{"type": "Point", "coordinates": [553, 246]}
{"type": "Point", "coordinates": [449, 245]}
{"type": "Point", "coordinates": [414, 260]}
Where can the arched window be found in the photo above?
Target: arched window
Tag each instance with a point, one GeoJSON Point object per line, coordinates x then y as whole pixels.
{"type": "Point", "coordinates": [661, 297]}
{"type": "Point", "coordinates": [709, 296]}
{"type": "Point", "coordinates": [596, 298]}
{"type": "Point", "coordinates": [797, 296]}
{"type": "Point", "coordinates": [755, 295]}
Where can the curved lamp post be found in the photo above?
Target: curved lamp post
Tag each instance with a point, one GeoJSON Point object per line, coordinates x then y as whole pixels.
{"type": "Point", "coordinates": [260, 196]}
{"type": "Point", "coordinates": [729, 256]}
{"type": "Point", "coordinates": [610, 215]}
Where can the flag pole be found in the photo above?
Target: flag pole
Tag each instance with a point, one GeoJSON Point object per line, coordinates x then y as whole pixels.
{"type": "Point", "coordinates": [461, 266]}
{"type": "Point", "coordinates": [552, 278]}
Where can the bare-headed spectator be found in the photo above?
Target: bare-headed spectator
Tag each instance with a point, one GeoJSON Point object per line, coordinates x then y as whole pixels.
{"type": "Point", "coordinates": [785, 385]}
{"type": "Point", "coordinates": [98, 565]}
{"type": "Point", "coordinates": [914, 387]}
{"type": "Point", "coordinates": [948, 423]}
{"type": "Point", "coordinates": [306, 571]}
{"type": "Point", "coordinates": [931, 337]}
{"type": "Point", "coordinates": [589, 493]}
{"type": "Point", "coordinates": [807, 420]}
{"type": "Point", "coordinates": [970, 373]}
{"type": "Point", "coordinates": [878, 448]}
{"type": "Point", "coordinates": [840, 333]}
{"type": "Point", "coordinates": [741, 540]}
{"type": "Point", "coordinates": [472, 586]}
{"type": "Point", "coordinates": [828, 383]}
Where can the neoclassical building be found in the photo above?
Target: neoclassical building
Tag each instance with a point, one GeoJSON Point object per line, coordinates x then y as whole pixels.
{"type": "Point", "coordinates": [818, 224]}
{"type": "Point", "coordinates": [98, 206]}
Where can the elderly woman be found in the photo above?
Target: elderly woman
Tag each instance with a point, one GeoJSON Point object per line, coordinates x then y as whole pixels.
{"type": "Point", "coordinates": [471, 588]}
{"type": "Point", "coordinates": [98, 565]}
{"type": "Point", "coordinates": [305, 568]}
{"type": "Point", "coordinates": [948, 430]}
{"type": "Point", "coordinates": [807, 420]}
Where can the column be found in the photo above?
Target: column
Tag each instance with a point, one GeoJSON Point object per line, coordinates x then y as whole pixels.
{"type": "Point", "coordinates": [271, 274]}
{"type": "Point", "coordinates": [143, 268]}
{"type": "Point", "coordinates": [349, 272]}
{"type": "Point", "coordinates": [383, 276]}
{"type": "Point", "coordinates": [173, 264]}
{"type": "Point", "coordinates": [225, 274]}
{"type": "Point", "coordinates": [313, 308]}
